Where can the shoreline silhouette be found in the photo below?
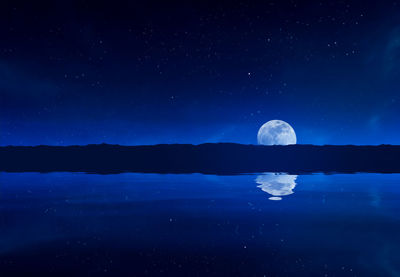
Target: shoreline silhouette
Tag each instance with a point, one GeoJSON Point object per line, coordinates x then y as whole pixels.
{"type": "Point", "coordinates": [209, 158]}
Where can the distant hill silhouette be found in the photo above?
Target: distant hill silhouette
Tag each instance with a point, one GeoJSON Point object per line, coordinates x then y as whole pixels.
{"type": "Point", "coordinates": [215, 158]}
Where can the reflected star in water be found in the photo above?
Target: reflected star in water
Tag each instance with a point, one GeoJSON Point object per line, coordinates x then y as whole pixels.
{"type": "Point", "coordinates": [276, 184]}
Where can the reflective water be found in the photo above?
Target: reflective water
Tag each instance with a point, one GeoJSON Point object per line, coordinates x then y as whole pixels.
{"type": "Point", "coordinates": [276, 184]}
{"type": "Point", "coordinates": [75, 224]}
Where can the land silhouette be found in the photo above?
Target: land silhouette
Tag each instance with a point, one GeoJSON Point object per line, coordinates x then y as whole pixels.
{"type": "Point", "coordinates": [211, 158]}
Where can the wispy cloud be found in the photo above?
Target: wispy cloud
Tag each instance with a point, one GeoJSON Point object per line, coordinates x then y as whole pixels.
{"type": "Point", "coordinates": [16, 81]}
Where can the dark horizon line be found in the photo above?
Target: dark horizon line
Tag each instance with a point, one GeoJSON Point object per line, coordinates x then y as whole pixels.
{"type": "Point", "coordinates": [211, 158]}
{"type": "Point", "coordinates": [199, 144]}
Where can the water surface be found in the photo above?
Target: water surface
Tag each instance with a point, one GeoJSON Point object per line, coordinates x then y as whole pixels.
{"type": "Point", "coordinates": [76, 224]}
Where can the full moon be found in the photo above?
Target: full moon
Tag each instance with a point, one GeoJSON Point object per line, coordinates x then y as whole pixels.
{"type": "Point", "coordinates": [276, 132]}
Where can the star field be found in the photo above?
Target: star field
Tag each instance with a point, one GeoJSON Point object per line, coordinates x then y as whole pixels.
{"type": "Point", "coordinates": [129, 72]}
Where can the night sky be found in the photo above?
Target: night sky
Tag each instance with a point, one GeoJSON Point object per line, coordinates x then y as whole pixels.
{"type": "Point", "coordinates": [147, 72]}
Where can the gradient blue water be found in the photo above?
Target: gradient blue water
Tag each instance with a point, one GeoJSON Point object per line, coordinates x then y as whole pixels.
{"type": "Point", "coordinates": [75, 224]}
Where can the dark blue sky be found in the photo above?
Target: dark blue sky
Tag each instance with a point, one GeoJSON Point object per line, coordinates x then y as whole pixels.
{"type": "Point", "coordinates": [146, 72]}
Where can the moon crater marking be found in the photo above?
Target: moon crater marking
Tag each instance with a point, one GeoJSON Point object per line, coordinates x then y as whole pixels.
{"type": "Point", "coordinates": [276, 132]}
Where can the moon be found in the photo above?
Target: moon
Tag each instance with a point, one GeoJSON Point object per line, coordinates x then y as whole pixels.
{"type": "Point", "coordinates": [276, 132]}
